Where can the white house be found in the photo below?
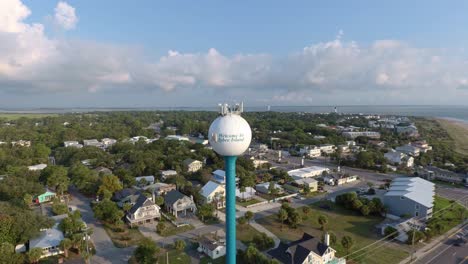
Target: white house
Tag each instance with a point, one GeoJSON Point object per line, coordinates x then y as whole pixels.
{"type": "Point", "coordinates": [248, 194]}
{"type": "Point", "coordinates": [177, 138]}
{"type": "Point", "coordinates": [265, 188]}
{"type": "Point", "coordinates": [213, 192]}
{"type": "Point", "coordinates": [311, 152]}
{"type": "Point", "coordinates": [409, 150]}
{"type": "Point", "coordinates": [143, 211]}
{"type": "Point", "coordinates": [93, 143]}
{"type": "Point", "coordinates": [399, 158]}
{"type": "Point", "coordinates": [327, 148]}
{"type": "Point", "coordinates": [108, 142]}
{"type": "Point", "coordinates": [73, 144]}
{"type": "Point", "coordinates": [192, 165]}
{"type": "Point", "coordinates": [213, 245]}
{"type": "Point", "coordinates": [49, 239]}
{"type": "Point", "coordinates": [22, 143]}
{"type": "Point", "coordinates": [147, 179]}
{"type": "Point", "coordinates": [166, 174]}
{"type": "Point", "coordinates": [37, 167]}
{"type": "Point", "coordinates": [219, 176]}
{"type": "Point", "coordinates": [308, 172]}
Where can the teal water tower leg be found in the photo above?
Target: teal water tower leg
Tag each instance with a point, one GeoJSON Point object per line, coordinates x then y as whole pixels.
{"type": "Point", "coordinates": [230, 167]}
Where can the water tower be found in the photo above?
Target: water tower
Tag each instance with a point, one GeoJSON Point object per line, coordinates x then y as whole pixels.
{"type": "Point", "coordinates": [230, 136]}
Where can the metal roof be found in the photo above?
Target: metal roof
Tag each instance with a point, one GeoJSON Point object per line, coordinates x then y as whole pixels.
{"type": "Point", "coordinates": [414, 188]}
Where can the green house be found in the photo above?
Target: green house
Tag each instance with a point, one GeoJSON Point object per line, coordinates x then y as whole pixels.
{"type": "Point", "coordinates": [45, 197]}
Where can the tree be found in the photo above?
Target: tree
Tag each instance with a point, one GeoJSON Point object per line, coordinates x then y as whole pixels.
{"type": "Point", "coordinates": [262, 241]}
{"type": "Point", "coordinates": [205, 211]}
{"type": "Point", "coordinates": [65, 245]}
{"type": "Point", "coordinates": [8, 254]}
{"type": "Point", "coordinates": [323, 221]}
{"type": "Point", "coordinates": [108, 211]}
{"type": "Point", "coordinates": [294, 218]}
{"type": "Point", "coordinates": [179, 245]}
{"type": "Point", "coordinates": [160, 227]}
{"type": "Point", "coordinates": [28, 199]}
{"type": "Point", "coordinates": [159, 200]}
{"type": "Point", "coordinates": [306, 188]}
{"type": "Point", "coordinates": [109, 184]}
{"type": "Point", "coordinates": [127, 206]}
{"type": "Point", "coordinates": [249, 215]}
{"type": "Point", "coordinates": [56, 177]}
{"type": "Point", "coordinates": [365, 210]}
{"type": "Point", "coordinates": [59, 208]}
{"type": "Point", "coordinates": [144, 253]}
{"type": "Point", "coordinates": [34, 255]}
{"type": "Point", "coordinates": [272, 188]}
{"type": "Point", "coordinates": [414, 235]}
{"type": "Point", "coordinates": [347, 242]}
{"type": "Point", "coordinates": [306, 210]}
{"type": "Point", "coordinates": [282, 216]}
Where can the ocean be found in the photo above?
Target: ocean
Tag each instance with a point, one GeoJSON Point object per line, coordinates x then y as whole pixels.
{"type": "Point", "coordinates": [449, 112]}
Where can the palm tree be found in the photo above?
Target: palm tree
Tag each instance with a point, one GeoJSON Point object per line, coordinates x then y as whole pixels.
{"type": "Point", "coordinates": [323, 221]}
{"type": "Point", "coordinates": [65, 245]}
{"type": "Point", "coordinates": [347, 242]}
{"type": "Point", "coordinates": [282, 215]}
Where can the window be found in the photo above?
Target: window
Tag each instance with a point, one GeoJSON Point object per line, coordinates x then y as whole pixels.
{"type": "Point", "coordinates": [417, 206]}
{"type": "Point", "coordinates": [416, 214]}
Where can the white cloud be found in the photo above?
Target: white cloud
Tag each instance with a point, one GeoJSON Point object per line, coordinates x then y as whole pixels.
{"type": "Point", "coordinates": [31, 61]}
{"type": "Point", "coordinates": [65, 16]}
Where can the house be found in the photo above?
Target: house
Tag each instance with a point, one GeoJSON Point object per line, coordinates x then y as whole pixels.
{"type": "Point", "coordinates": [408, 150]}
{"type": "Point", "coordinates": [93, 143]}
{"type": "Point", "coordinates": [127, 195]}
{"type": "Point", "coordinates": [396, 157]}
{"type": "Point", "coordinates": [246, 195]}
{"type": "Point", "coordinates": [49, 239]}
{"type": "Point", "coordinates": [158, 188]}
{"type": "Point", "coordinates": [311, 152]}
{"type": "Point", "coordinates": [327, 148]}
{"type": "Point", "coordinates": [144, 180]}
{"type": "Point", "coordinates": [409, 130]}
{"type": "Point", "coordinates": [37, 167]}
{"type": "Point", "coordinates": [166, 174]}
{"type": "Point", "coordinates": [422, 145]}
{"type": "Point", "coordinates": [214, 193]}
{"type": "Point", "coordinates": [344, 148]}
{"type": "Point", "coordinates": [311, 183]}
{"type": "Point", "coordinates": [320, 137]}
{"type": "Point", "coordinates": [355, 134]}
{"type": "Point", "coordinates": [377, 143]}
{"type": "Point", "coordinates": [107, 142]}
{"type": "Point", "coordinates": [22, 143]}
{"type": "Point", "coordinates": [342, 179]}
{"type": "Point", "coordinates": [192, 165]}
{"type": "Point", "coordinates": [265, 188]}
{"type": "Point", "coordinates": [177, 138]}
{"type": "Point", "coordinates": [143, 211]}
{"type": "Point", "coordinates": [306, 250]}
{"type": "Point", "coordinates": [219, 176]}
{"type": "Point", "coordinates": [213, 245]}
{"type": "Point", "coordinates": [45, 197]}
{"type": "Point", "coordinates": [308, 172]}
{"type": "Point", "coordinates": [176, 202]}
{"type": "Point", "coordinates": [72, 144]}
{"type": "Point", "coordinates": [412, 196]}
{"type": "Point", "coordinates": [88, 162]}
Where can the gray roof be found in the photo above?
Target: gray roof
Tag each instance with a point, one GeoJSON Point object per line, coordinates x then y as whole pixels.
{"type": "Point", "coordinates": [209, 187]}
{"type": "Point", "coordinates": [173, 196]}
{"type": "Point", "coordinates": [299, 249]}
{"type": "Point", "coordinates": [141, 201]}
{"type": "Point", "coordinates": [413, 188]}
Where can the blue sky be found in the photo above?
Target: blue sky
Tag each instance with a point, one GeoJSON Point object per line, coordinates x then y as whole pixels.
{"type": "Point", "coordinates": [265, 52]}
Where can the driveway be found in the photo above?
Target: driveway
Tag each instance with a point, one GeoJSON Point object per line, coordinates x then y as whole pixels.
{"type": "Point", "coordinates": [106, 252]}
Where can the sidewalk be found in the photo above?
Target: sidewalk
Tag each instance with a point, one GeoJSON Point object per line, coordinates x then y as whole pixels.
{"type": "Point", "coordinates": [429, 247]}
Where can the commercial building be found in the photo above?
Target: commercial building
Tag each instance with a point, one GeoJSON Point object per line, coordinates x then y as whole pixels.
{"type": "Point", "coordinates": [311, 152]}
{"type": "Point", "coordinates": [308, 172]}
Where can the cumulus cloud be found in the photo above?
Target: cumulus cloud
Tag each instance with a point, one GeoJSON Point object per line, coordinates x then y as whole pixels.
{"type": "Point", "coordinates": [65, 16]}
{"type": "Point", "coordinates": [32, 62]}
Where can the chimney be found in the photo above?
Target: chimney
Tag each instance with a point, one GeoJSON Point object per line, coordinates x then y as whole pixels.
{"type": "Point", "coordinates": [302, 161]}
{"type": "Point", "coordinates": [327, 239]}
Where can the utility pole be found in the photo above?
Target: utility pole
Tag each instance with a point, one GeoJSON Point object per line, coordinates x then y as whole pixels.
{"type": "Point", "coordinates": [412, 246]}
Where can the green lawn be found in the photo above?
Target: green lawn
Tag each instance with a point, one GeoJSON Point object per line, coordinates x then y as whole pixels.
{"type": "Point", "coordinates": [15, 116]}
{"type": "Point", "coordinates": [175, 257]}
{"type": "Point", "coordinates": [448, 218]}
{"type": "Point", "coordinates": [208, 260]}
{"type": "Point", "coordinates": [342, 222]}
{"type": "Point", "coordinates": [248, 202]}
{"type": "Point", "coordinates": [245, 233]}
{"type": "Point", "coordinates": [122, 235]}
{"type": "Point", "coordinates": [172, 230]}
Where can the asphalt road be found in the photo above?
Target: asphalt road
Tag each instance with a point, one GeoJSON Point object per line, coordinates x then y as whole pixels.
{"type": "Point", "coordinates": [106, 252]}
{"type": "Point", "coordinates": [448, 253]}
